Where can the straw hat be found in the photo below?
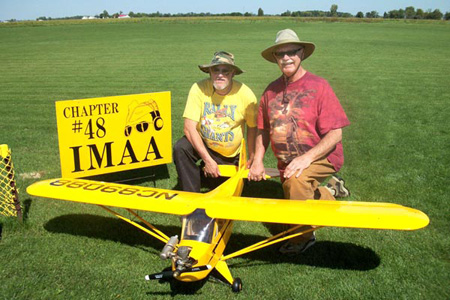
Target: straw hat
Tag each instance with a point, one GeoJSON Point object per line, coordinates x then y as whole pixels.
{"type": "Point", "coordinates": [222, 58]}
{"type": "Point", "coordinates": [287, 36]}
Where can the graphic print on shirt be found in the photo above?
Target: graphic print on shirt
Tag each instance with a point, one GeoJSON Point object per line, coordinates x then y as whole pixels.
{"type": "Point", "coordinates": [217, 122]}
{"type": "Point", "coordinates": [288, 126]}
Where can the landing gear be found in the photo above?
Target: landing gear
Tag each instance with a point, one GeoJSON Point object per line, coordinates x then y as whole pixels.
{"type": "Point", "coordinates": [236, 287]}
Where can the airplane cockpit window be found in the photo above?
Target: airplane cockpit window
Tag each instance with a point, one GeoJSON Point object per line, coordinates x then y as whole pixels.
{"type": "Point", "coordinates": [198, 227]}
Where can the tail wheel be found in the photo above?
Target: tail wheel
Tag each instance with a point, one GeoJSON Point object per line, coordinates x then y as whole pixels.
{"type": "Point", "coordinates": [236, 287]}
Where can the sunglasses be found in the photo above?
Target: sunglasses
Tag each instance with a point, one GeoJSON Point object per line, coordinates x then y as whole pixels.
{"type": "Point", "coordinates": [143, 126]}
{"type": "Point", "coordinates": [289, 53]}
{"type": "Point", "coordinates": [223, 71]}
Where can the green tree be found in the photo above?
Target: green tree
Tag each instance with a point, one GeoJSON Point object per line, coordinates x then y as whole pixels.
{"type": "Point", "coordinates": [360, 14]}
{"type": "Point", "coordinates": [372, 14]}
{"type": "Point", "coordinates": [435, 15]}
{"type": "Point", "coordinates": [396, 14]}
{"type": "Point", "coordinates": [410, 12]}
{"type": "Point", "coordinates": [447, 16]}
{"type": "Point", "coordinates": [333, 10]}
{"type": "Point", "coordinates": [260, 12]}
{"type": "Point", "coordinates": [419, 14]}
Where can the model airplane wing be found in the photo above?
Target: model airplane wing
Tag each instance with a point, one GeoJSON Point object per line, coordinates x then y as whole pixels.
{"type": "Point", "coordinates": [220, 205]}
{"type": "Point", "coordinates": [372, 215]}
{"type": "Point", "coordinates": [116, 195]}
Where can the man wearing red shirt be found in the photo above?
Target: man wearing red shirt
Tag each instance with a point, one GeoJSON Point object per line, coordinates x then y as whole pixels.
{"type": "Point", "coordinates": [301, 117]}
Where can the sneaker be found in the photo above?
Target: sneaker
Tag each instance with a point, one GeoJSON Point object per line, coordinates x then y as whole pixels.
{"type": "Point", "coordinates": [291, 248]}
{"type": "Point", "coordinates": [336, 185]}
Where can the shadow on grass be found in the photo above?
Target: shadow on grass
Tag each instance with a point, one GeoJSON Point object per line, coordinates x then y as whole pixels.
{"type": "Point", "coordinates": [179, 287]}
{"type": "Point", "coordinates": [108, 229]}
{"type": "Point", "coordinates": [324, 254]}
{"type": "Point", "coordinates": [26, 208]}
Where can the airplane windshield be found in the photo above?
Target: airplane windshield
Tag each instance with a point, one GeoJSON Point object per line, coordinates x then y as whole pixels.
{"type": "Point", "coordinates": [198, 227]}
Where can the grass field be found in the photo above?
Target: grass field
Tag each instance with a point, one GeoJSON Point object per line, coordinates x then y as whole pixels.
{"type": "Point", "coordinates": [391, 77]}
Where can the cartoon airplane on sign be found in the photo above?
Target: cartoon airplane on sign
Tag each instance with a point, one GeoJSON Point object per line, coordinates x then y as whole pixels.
{"type": "Point", "coordinates": [208, 218]}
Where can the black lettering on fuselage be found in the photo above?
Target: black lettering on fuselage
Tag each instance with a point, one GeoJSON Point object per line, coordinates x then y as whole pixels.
{"type": "Point", "coordinates": [114, 189]}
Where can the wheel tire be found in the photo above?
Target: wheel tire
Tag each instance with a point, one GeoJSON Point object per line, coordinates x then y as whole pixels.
{"type": "Point", "coordinates": [236, 287]}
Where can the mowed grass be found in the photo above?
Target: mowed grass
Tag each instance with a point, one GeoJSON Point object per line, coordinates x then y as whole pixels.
{"type": "Point", "coordinates": [391, 77]}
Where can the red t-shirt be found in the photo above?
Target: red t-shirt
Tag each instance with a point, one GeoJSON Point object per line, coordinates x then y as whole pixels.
{"type": "Point", "coordinates": [299, 115]}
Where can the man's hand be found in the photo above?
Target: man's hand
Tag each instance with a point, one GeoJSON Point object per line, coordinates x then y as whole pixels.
{"type": "Point", "coordinates": [296, 166]}
{"type": "Point", "coordinates": [326, 144]}
{"type": "Point", "coordinates": [257, 171]}
{"type": "Point", "coordinates": [211, 169]}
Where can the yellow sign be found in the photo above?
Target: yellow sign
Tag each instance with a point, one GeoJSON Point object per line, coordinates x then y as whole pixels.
{"type": "Point", "coordinates": [111, 134]}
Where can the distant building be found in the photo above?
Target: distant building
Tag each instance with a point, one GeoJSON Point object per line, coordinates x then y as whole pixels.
{"type": "Point", "coordinates": [123, 16]}
{"type": "Point", "coordinates": [89, 18]}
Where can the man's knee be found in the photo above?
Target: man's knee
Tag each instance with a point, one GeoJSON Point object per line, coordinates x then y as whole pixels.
{"type": "Point", "coordinates": [300, 188]}
{"type": "Point", "coordinates": [181, 147]}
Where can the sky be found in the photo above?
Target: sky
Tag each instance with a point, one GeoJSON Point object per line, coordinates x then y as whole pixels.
{"type": "Point", "coordinates": [32, 9]}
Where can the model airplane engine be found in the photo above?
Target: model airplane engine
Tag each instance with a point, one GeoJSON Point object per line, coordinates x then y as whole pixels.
{"type": "Point", "coordinates": [183, 261]}
{"type": "Point", "coordinates": [168, 250]}
{"type": "Point", "coordinates": [180, 257]}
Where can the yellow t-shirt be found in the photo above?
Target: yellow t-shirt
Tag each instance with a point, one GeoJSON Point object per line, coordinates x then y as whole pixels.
{"type": "Point", "coordinates": [221, 119]}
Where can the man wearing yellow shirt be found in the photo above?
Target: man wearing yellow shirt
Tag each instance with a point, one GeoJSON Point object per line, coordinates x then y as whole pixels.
{"type": "Point", "coordinates": [217, 110]}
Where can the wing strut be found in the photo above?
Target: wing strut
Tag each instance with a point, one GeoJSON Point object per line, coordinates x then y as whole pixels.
{"type": "Point", "coordinates": [271, 240]}
{"type": "Point", "coordinates": [153, 231]}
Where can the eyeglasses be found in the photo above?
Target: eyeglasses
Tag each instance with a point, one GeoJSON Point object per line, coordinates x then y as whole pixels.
{"type": "Point", "coordinates": [223, 71]}
{"type": "Point", "coordinates": [289, 53]}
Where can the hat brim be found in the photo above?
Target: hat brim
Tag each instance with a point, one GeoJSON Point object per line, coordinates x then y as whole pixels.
{"type": "Point", "coordinates": [308, 50]}
{"type": "Point", "coordinates": [205, 68]}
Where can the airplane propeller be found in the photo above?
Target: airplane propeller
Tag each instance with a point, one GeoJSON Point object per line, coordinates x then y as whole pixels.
{"type": "Point", "coordinates": [164, 275]}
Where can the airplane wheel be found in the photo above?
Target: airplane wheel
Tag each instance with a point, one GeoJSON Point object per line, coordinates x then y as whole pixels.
{"type": "Point", "coordinates": [237, 285]}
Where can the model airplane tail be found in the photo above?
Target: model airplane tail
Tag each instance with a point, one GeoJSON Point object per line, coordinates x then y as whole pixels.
{"type": "Point", "coordinates": [231, 170]}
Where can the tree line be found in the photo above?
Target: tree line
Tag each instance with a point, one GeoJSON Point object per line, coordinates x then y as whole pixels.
{"type": "Point", "coordinates": [408, 13]}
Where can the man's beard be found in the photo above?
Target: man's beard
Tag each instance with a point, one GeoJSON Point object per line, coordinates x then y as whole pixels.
{"type": "Point", "coordinates": [220, 86]}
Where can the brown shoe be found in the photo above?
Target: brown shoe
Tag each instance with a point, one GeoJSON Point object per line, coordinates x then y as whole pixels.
{"type": "Point", "coordinates": [336, 185]}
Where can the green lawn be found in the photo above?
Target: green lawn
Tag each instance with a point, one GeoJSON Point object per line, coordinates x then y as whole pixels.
{"type": "Point", "coordinates": [391, 77]}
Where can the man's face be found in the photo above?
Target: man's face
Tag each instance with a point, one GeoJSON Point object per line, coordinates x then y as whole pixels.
{"type": "Point", "coordinates": [288, 58]}
{"type": "Point", "coordinates": [221, 76]}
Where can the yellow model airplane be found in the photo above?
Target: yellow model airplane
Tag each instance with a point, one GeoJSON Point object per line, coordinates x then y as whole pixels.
{"type": "Point", "coordinates": [208, 218]}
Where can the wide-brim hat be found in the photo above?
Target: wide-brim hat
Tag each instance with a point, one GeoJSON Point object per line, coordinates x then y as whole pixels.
{"type": "Point", "coordinates": [287, 36]}
{"type": "Point", "coordinates": [222, 58]}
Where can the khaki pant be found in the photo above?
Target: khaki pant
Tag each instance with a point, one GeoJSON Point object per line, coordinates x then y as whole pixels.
{"type": "Point", "coordinates": [307, 186]}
